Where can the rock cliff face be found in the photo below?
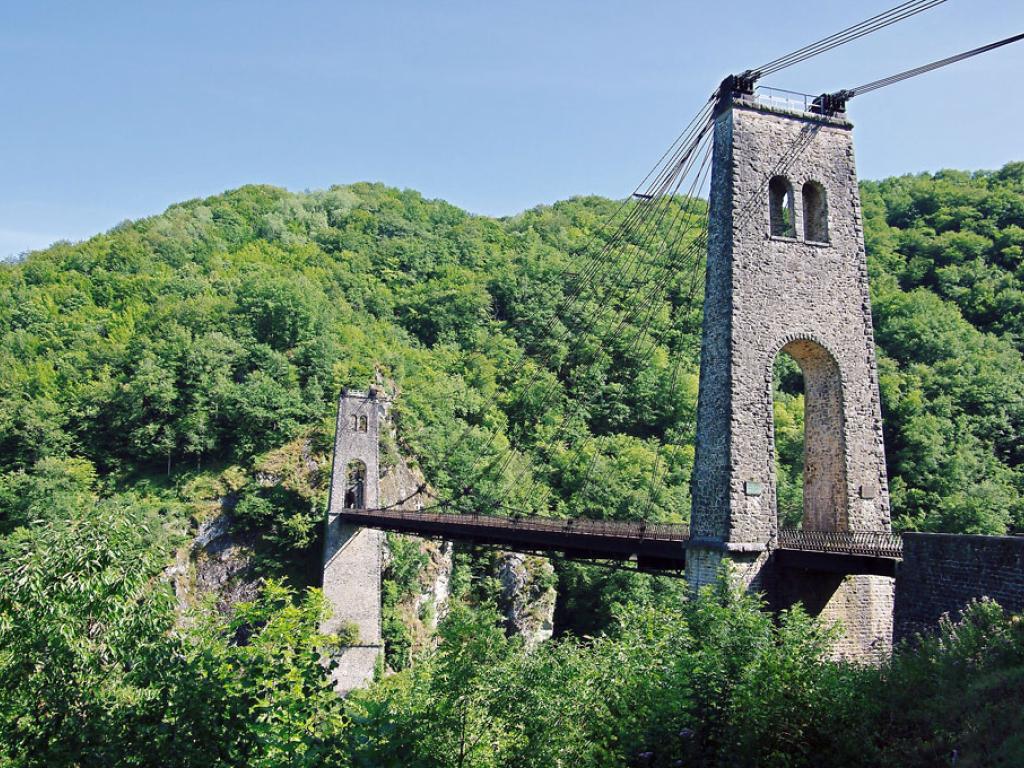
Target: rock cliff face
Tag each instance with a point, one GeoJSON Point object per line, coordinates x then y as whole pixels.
{"type": "Point", "coordinates": [527, 597]}
{"type": "Point", "coordinates": [431, 604]}
{"type": "Point", "coordinates": [421, 608]}
{"type": "Point", "coordinates": [425, 604]}
{"type": "Point", "coordinates": [219, 563]}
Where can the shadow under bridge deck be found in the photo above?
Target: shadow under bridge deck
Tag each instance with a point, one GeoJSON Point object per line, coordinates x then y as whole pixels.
{"type": "Point", "coordinates": [654, 546]}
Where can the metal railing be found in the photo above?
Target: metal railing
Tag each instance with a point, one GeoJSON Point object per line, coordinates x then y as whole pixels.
{"type": "Point", "coordinates": [616, 528]}
{"type": "Point", "coordinates": [780, 98]}
{"type": "Point", "coordinates": [869, 543]}
{"type": "Point", "coordinates": [864, 543]}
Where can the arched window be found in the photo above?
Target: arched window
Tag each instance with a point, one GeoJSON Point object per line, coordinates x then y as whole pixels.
{"type": "Point", "coordinates": [780, 207]}
{"type": "Point", "coordinates": [355, 423]}
{"type": "Point", "coordinates": [815, 213]}
{"type": "Point", "coordinates": [362, 423]}
{"type": "Point", "coordinates": [355, 485]}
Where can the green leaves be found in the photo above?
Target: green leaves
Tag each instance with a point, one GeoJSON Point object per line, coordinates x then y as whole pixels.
{"type": "Point", "coordinates": [943, 251]}
{"type": "Point", "coordinates": [224, 328]}
{"type": "Point", "coordinates": [713, 682]}
{"type": "Point", "coordinates": [98, 670]}
{"type": "Point", "coordinates": [80, 624]}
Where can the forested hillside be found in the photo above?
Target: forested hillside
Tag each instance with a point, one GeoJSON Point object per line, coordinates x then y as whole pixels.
{"type": "Point", "coordinates": [945, 254]}
{"type": "Point", "coordinates": [162, 365]}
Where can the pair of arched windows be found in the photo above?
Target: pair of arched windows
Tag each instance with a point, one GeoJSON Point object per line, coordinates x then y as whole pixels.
{"type": "Point", "coordinates": [782, 215]}
{"type": "Point", "coordinates": [358, 424]}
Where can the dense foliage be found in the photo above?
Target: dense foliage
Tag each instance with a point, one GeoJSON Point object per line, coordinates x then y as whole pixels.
{"type": "Point", "coordinates": [97, 669]}
{"type": "Point", "coordinates": [178, 357]}
{"type": "Point", "coordinates": [948, 288]}
{"type": "Point", "coordinates": [225, 326]}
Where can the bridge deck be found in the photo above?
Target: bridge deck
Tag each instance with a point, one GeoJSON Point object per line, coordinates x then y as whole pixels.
{"type": "Point", "coordinates": [847, 552]}
{"type": "Point", "coordinates": [655, 546]}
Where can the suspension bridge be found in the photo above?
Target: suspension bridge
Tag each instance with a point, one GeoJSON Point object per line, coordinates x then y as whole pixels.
{"type": "Point", "coordinates": [779, 251]}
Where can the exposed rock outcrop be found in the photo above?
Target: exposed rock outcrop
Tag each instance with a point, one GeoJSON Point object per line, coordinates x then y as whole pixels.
{"type": "Point", "coordinates": [527, 598]}
{"type": "Point", "coordinates": [219, 562]}
{"type": "Point", "coordinates": [402, 485]}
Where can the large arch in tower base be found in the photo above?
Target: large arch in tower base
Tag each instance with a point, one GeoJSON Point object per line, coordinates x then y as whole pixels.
{"type": "Point", "coordinates": [861, 604]}
{"type": "Point", "coordinates": [788, 272]}
{"type": "Point", "coordinates": [825, 503]}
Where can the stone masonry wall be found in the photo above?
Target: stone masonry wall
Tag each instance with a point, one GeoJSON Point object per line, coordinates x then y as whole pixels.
{"type": "Point", "coordinates": [767, 293]}
{"type": "Point", "coordinates": [941, 573]}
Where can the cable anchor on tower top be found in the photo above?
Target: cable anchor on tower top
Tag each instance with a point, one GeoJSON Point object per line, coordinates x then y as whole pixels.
{"type": "Point", "coordinates": [742, 84]}
{"type": "Point", "coordinates": [832, 103]}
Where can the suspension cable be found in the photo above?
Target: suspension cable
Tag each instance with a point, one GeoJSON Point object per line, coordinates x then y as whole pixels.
{"type": "Point", "coordinates": [745, 81]}
{"type": "Point", "coordinates": [645, 289]}
{"type": "Point", "coordinates": [879, 21]}
{"type": "Point", "coordinates": [831, 103]}
{"type": "Point", "coordinates": [874, 85]}
{"type": "Point", "coordinates": [656, 205]}
{"type": "Point", "coordinates": [646, 210]}
{"type": "Point", "coordinates": [648, 214]}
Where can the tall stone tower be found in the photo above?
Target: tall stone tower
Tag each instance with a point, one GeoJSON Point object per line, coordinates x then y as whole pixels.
{"type": "Point", "coordinates": [352, 555]}
{"type": "Point", "coordinates": [786, 272]}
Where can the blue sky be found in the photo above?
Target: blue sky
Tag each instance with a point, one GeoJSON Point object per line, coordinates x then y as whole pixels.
{"type": "Point", "coordinates": [115, 110]}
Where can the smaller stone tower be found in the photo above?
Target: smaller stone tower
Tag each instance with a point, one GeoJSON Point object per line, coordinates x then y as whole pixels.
{"type": "Point", "coordinates": [352, 555]}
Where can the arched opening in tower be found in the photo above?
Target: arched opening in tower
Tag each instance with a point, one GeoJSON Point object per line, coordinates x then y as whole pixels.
{"type": "Point", "coordinates": [782, 221]}
{"type": "Point", "coordinates": [355, 485]}
{"type": "Point", "coordinates": [809, 439]}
